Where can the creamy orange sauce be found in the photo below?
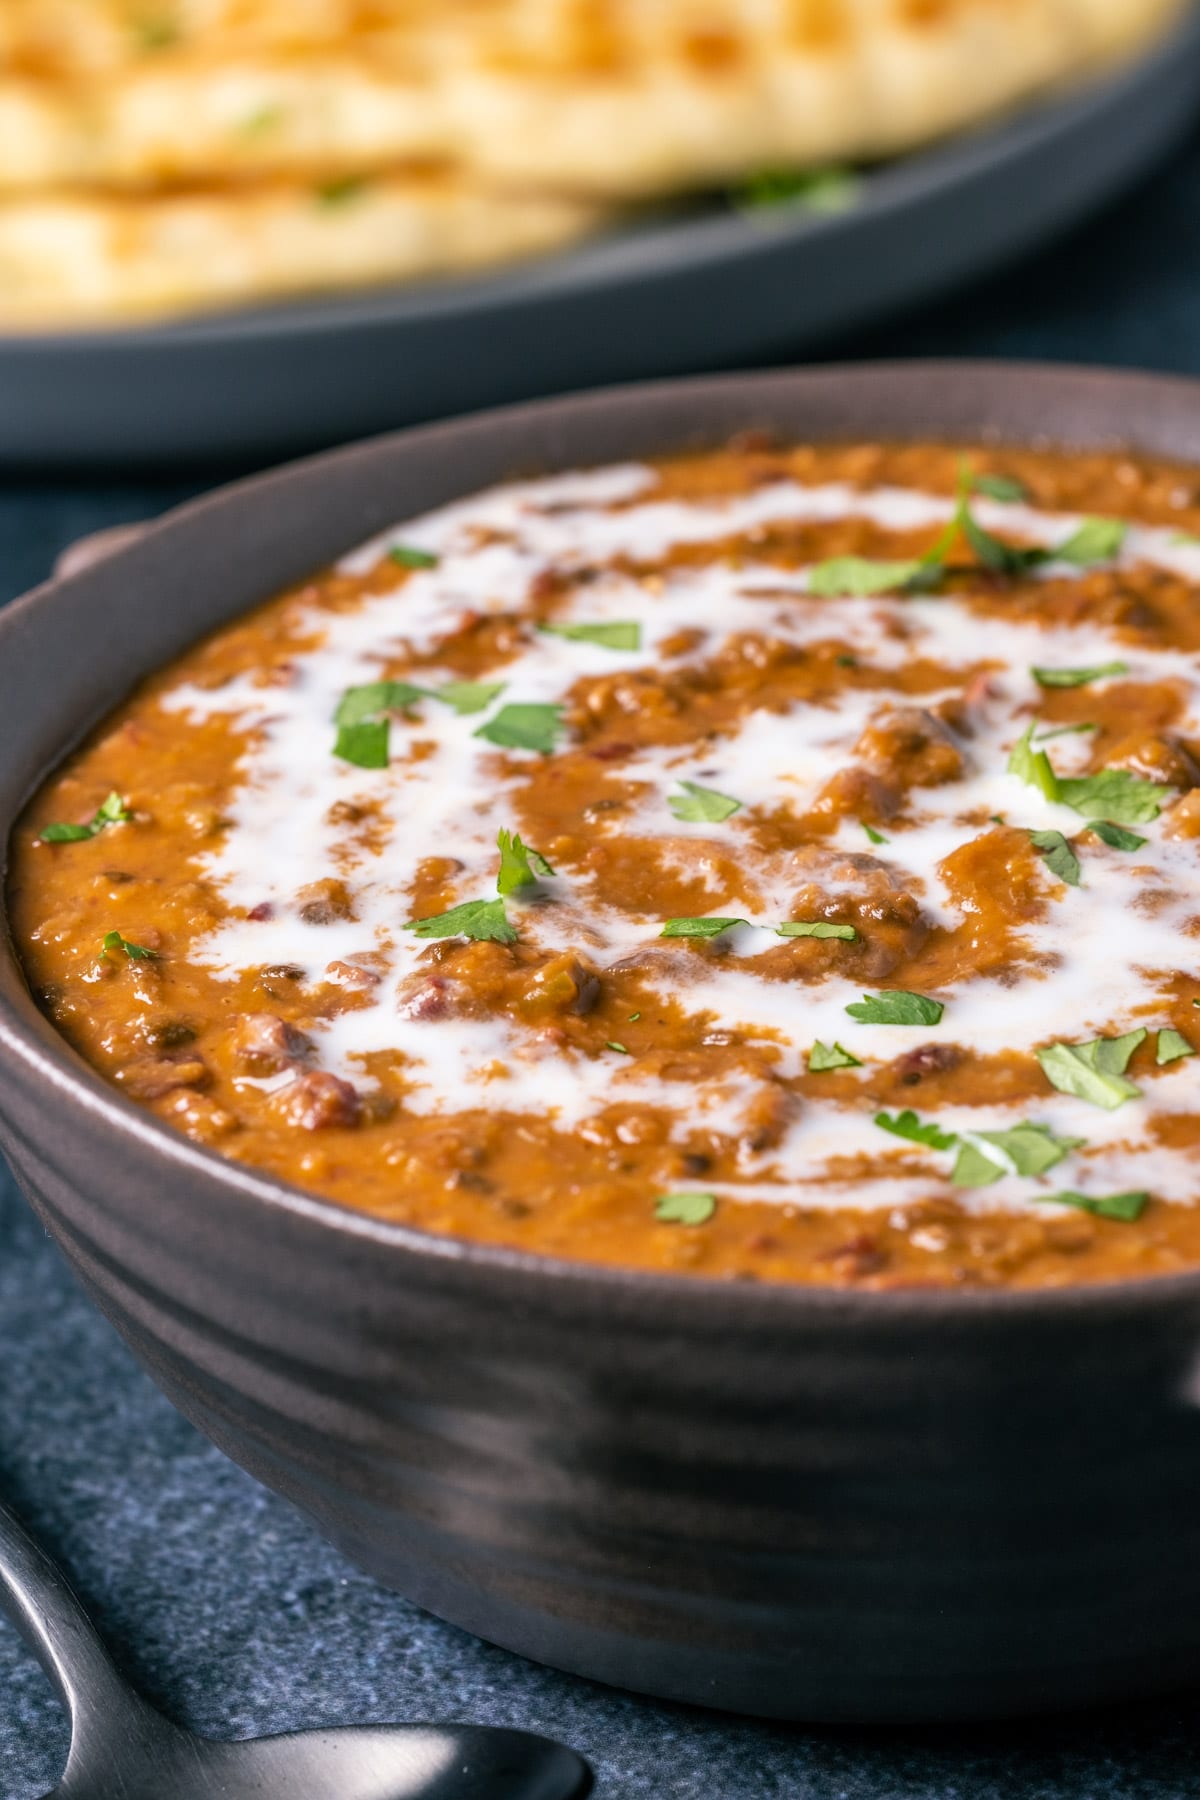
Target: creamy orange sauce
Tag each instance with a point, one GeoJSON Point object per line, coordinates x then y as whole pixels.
{"type": "Point", "coordinates": [688, 708]}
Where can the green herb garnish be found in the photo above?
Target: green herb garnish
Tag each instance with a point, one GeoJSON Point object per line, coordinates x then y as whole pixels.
{"type": "Point", "coordinates": [113, 941]}
{"type": "Point", "coordinates": [873, 836]}
{"type": "Point", "coordinates": [156, 32]}
{"type": "Point", "coordinates": [907, 1125]}
{"type": "Point", "coordinates": [1093, 1071]}
{"type": "Point", "coordinates": [483, 920]}
{"type": "Point", "coordinates": [1072, 678]}
{"type": "Point", "coordinates": [1000, 487]}
{"type": "Point", "coordinates": [112, 811]}
{"type": "Point", "coordinates": [339, 192]}
{"type": "Point", "coordinates": [1027, 1149]}
{"type": "Point", "coordinates": [1057, 854]}
{"type": "Point", "coordinates": [815, 928]}
{"type": "Point", "coordinates": [829, 190]}
{"type": "Point", "coordinates": [375, 698]}
{"type": "Point", "coordinates": [524, 726]}
{"type": "Point", "coordinates": [469, 696]}
{"type": "Point", "coordinates": [365, 745]}
{"type": "Point", "coordinates": [362, 722]}
{"type": "Point", "coordinates": [1033, 765]}
{"type": "Point", "coordinates": [701, 805]}
{"type": "Point", "coordinates": [860, 576]}
{"type": "Point", "coordinates": [698, 928]}
{"type": "Point", "coordinates": [1126, 1207]}
{"type": "Point", "coordinates": [519, 865]}
{"type": "Point", "coordinates": [409, 557]}
{"type": "Point", "coordinates": [622, 634]}
{"type": "Point", "coordinates": [685, 1209]}
{"type": "Point", "coordinates": [619, 1048]}
{"type": "Point", "coordinates": [1095, 540]}
{"type": "Point", "coordinates": [1058, 731]}
{"type": "Point", "coordinates": [896, 1007]}
{"type": "Point", "coordinates": [1172, 1045]}
{"type": "Point", "coordinates": [1114, 835]}
{"type": "Point", "coordinates": [1111, 794]}
{"type": "Point", "coordinates": [826, 1056]}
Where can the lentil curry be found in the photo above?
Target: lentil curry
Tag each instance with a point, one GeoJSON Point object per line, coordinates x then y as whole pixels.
{"type": "Point", "coordinates": [774, 863]}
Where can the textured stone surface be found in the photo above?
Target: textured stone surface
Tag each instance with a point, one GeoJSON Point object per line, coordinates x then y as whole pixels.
{"type": "Point", "coordinates": [229, 1611]}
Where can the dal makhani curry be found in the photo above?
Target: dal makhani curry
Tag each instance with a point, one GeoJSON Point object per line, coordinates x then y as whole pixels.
{"type": "Point", "coordinates": [776, 863]}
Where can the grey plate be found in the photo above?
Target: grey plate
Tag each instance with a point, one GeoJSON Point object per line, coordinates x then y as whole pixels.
{"type": "Point", "coordinates": [689, 294]}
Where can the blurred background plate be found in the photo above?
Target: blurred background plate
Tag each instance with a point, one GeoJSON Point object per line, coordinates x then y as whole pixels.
{"type": "Point", "coordinates": [689, 293]}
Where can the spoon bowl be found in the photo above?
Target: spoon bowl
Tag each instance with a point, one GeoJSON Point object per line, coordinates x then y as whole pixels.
{"type": "Point", "coordinates": [123, 1749]}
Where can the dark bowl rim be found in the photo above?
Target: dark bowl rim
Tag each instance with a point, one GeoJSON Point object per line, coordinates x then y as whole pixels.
{"type": "Point", "coordinates": [62, 1073]}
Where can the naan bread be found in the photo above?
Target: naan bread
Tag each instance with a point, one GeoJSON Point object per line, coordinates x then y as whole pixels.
{"type": "Point", "coordinates": [69, 259]}
{"type": "Point", "coordinates": [611, 98]}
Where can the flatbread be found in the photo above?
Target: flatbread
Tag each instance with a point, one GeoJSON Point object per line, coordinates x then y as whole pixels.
{"type": "Point", "coordinates": [612, 98]}
{"type": "Point", "coordinates": [85, 258]}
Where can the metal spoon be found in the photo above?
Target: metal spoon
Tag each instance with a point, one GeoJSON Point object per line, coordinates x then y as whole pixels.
{"type": "Point", "coordinates": [122, 1749]}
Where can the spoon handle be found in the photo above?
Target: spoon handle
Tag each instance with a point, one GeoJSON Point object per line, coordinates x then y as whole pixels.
{"type": "Point", "coordinates": [45, 1610]}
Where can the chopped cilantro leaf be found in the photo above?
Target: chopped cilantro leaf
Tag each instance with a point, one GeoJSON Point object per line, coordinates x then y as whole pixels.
{"type": "Point", "coordinates": [999, 487]}
{"type": "Point", "coordinates": [1027, 1149]}
{"type": "Point", "coordinates": [113, 941]}
{"type": "Point", "coordinates": [480, 919]}
{"type": "Point", "coordinates": [365, 745]}
{"type": "Point", "coordinates": [519, 866]}
{"type": "Point", "coordinates": [896, 1007]}
{"type": "Point", "coordinates": [611, 1044]}
{"type": "Point", "coordinates": [1093, 1071]}
{"type": "Point", "coordinates": [700, 805]}
{"type": "Point", "coordinates": [339, 192]}
{"type": "Point", "coordinates": [1070, 678]}
{"type": "Point", "coordinates": [469, 696]}
{"type": "Point", "coordinates": [1113, 794]}
{"type": "Point", "coordinates": [622, 634]}
{"type": "Point", "coordinates": [1126, 1207]}
{"type": "Point", "coordinates": [1057, 854]}
{"type": "Point", "coordinates": [860, 575]}
{"type": "Point", "coordinates": [698, 928]}
{"type": "Point", "coordinates": [409, 557]}
{"type": "Point", "coordinates": [1172, 1045]}
{"type": "Point", "coordinates": [826, 1056]}
{"type": "Point", "coordinates": [1114, 835]}
{"type": "Point", "coordinates": [524, 726]}
{"type": "Point", "coordinates": [907, 1125]}
{"type": "Point", "coordinates": [829, 190]}
{"type": "Point", "coordinates": [1110, 794]}
{"type": "Point", "coordinates": [1058, 731]}
{"type": "Point", "coordinates": [375, 698]}
{"type": "Point", "coordinates": [815, 928]}
{"type": "Point", "coordinates": [1095, 540]}
{"type": "Point", "coordinates": [685, 1209]}
{"type": "Point", "coordinates": [111, 811]}
{"type": "Point", "coordinates": [873, 836]}
{"type": "Point", "coordinates": [1033, 765]}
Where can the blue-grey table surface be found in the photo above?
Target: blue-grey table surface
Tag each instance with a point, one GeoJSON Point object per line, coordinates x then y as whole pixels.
{"type": "Point", "coordinates": [227, 1608]}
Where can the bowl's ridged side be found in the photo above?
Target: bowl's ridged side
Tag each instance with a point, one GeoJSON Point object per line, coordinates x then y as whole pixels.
{"type": "Point", "coordinates": [915, 1520]}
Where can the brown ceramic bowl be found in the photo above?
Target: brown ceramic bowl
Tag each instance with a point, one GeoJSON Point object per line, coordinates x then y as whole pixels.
{"type": "Point", "coordinates": [812, 1504]}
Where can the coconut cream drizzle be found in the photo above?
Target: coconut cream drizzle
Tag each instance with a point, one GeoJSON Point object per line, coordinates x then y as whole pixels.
{"type": "Point", "coordinates": [1109, 963]}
